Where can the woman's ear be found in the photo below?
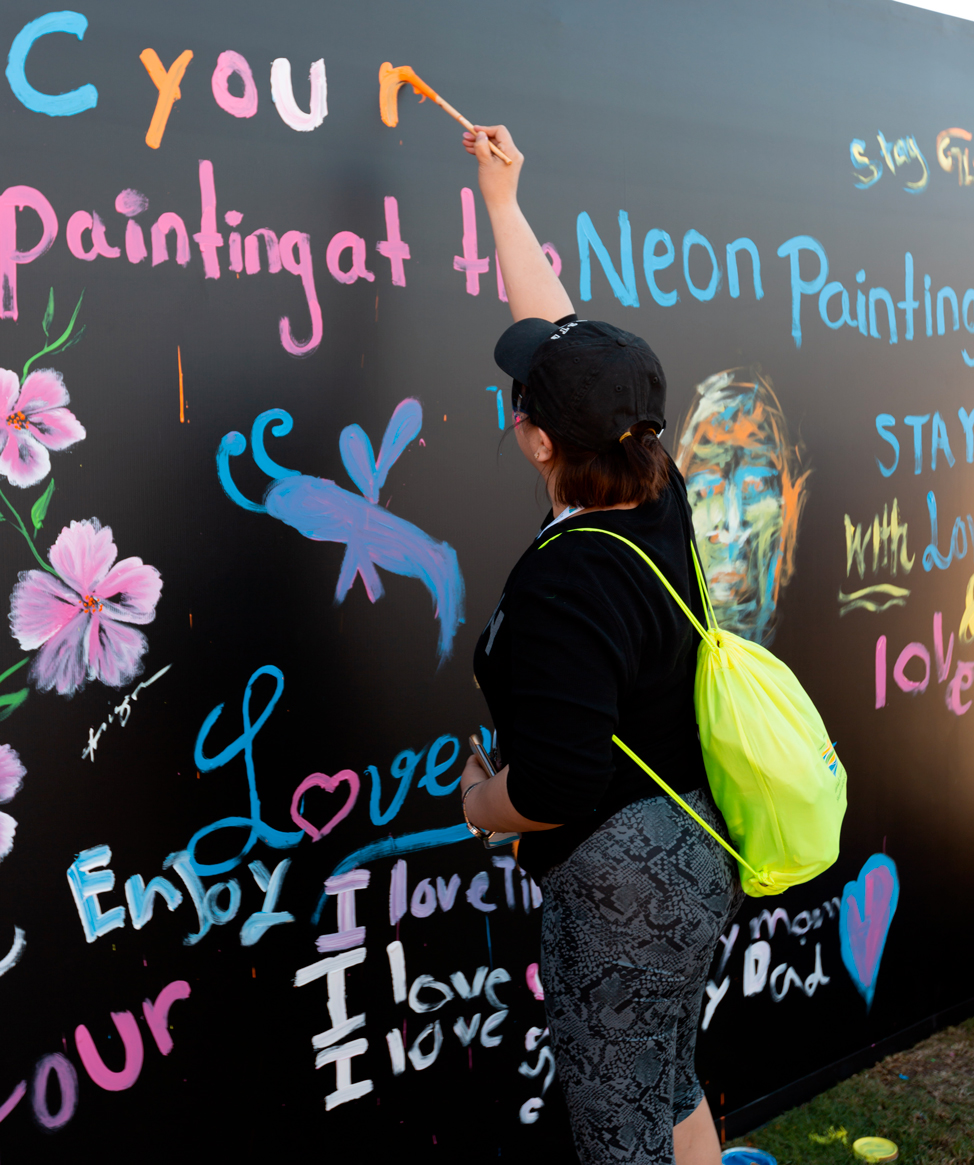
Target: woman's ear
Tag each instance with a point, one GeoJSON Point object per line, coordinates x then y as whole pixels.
{"type": "Point", "coordinates": [545, 450]}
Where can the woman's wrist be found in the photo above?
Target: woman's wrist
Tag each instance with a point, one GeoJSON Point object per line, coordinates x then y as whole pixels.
{"type": "Point", "coordinates": [466, 786]}
{"type": "Point", "coordinates": [500, 201]}
{"type": "Point", "coordinates": [475, 829]}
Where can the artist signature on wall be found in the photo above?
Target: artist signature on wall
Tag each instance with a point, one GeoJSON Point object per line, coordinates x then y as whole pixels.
{"type": "Point", "coordinates": [121, 713]}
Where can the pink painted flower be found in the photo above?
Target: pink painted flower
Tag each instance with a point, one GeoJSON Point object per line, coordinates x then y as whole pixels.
{"type": "Point", "coordinates": [12, 772]}
{"type": "Point", "coordinates": [33, 420]}
{"type": "Point", "coordinates": [79, 620]}
{"type": "Point", "coordinates": [8, 826]}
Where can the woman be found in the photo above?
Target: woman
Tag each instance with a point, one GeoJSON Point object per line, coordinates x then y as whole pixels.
{"type": "Point", "coordinates": [585, 643]}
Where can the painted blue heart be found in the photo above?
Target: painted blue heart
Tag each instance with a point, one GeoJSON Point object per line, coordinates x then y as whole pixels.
{"type": "Point", "coordinates": [868, 906]}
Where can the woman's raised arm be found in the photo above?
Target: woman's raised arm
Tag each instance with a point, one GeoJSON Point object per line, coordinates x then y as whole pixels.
{"type": "Point", "coordinates": [533, 289]}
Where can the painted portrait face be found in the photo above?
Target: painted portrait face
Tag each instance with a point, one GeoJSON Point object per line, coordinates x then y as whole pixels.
{"type": "Point", "coordinates": [746, 496]}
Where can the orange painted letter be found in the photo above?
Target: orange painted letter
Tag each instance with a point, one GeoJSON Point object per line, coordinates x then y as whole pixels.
{"type": "Point", "coordinates": [168, 86]}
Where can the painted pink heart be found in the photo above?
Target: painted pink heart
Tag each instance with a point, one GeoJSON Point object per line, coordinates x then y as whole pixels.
{"type": "Point", "coordinates": [329, 784]}
{"type": "Point", "coordinates": [866, 934]}
{"type": "Point", "coordinates": [868, 906]}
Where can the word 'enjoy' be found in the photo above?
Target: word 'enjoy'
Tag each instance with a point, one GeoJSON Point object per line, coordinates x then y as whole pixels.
{"type": "Point", "coordinates": [89, 876]}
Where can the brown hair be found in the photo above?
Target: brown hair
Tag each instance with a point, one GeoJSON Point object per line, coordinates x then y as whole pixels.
{"type": "Point", "coordinates": [635, 469]}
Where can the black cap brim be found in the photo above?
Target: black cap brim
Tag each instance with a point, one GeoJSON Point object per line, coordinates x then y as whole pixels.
{"type": "Point", "coordinates": [517, 346]}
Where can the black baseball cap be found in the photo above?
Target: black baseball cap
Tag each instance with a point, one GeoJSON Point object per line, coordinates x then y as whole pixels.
{"type": "Point", "coordinates": [586, 381]}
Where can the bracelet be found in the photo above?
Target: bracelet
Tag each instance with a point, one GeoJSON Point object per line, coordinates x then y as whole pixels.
{"type": "Point", "coordinates": [474, 829]}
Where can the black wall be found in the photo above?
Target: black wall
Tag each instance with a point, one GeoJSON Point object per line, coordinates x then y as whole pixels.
{"type": "Point", "coordinates": [734, 121]}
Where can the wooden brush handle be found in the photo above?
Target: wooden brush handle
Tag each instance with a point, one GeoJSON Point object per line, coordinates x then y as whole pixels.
{"type": "Point", "coordinates": [467, 125]}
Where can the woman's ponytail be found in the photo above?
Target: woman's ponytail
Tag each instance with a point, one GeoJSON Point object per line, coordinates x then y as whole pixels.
{"type": "Point", "coordinates": [634, 469]}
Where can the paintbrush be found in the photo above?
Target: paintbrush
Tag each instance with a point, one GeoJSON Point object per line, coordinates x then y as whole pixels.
{"type": "Point", "coordinates": [391, 81]}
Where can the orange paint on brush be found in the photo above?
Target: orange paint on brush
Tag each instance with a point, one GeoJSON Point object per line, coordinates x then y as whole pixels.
{"type": "Point", "coordinates": [182, 405]}
{"type": "Point", "coordinates": [392, 79]}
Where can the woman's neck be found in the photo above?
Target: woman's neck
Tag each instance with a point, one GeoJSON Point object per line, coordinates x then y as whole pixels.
{"type": "Point", "coordinates": [558, 508]}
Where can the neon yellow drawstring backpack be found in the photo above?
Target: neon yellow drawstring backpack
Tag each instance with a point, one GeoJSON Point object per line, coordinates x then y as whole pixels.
{"type": "Point", "coordinates": [772, 768]}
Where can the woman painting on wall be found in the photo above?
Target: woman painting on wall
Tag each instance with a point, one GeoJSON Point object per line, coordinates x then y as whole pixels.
{"type": "Point", "coordinates": [585, 643]}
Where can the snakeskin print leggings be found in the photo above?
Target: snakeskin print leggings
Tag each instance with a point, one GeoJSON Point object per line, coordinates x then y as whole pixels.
{"type": "Point", "coordinates": [630, 923]}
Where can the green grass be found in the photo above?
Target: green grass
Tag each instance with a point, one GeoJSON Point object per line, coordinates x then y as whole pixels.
{"type": "Point", "coordinates": [930, 1116]}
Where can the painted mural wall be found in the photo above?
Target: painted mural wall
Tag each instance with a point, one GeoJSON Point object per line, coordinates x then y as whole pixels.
{"type": "Point", "coordinates": [257, 502]}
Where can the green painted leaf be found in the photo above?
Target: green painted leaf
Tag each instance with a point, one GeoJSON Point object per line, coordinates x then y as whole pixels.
{"type": "Point", "coordinates": [9, 704]}
{"type": "Point", "coordinates": [59, 342]}
{"type": "Point", "coordinates": [38, 511]}
{"type": "Point", "coordinates": [49, 314]}
{"type": "Point", "coordinates": [74, 339]}
{"type": "Point", "coordinates": [10, 670]}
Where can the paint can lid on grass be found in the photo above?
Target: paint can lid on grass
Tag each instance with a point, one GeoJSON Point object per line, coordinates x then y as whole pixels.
{"type": "Point", "coordinates": [875, 1149]}
{"type": "Point", "coordinates": [747, 1157]}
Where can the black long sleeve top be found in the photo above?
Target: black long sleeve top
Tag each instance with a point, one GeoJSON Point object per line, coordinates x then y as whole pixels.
{"type": "Point", "coordinates": [586, 643]}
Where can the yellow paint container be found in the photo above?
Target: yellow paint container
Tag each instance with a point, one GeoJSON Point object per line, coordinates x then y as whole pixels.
{"type": "Point", "coordinates": [875, 1149]}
